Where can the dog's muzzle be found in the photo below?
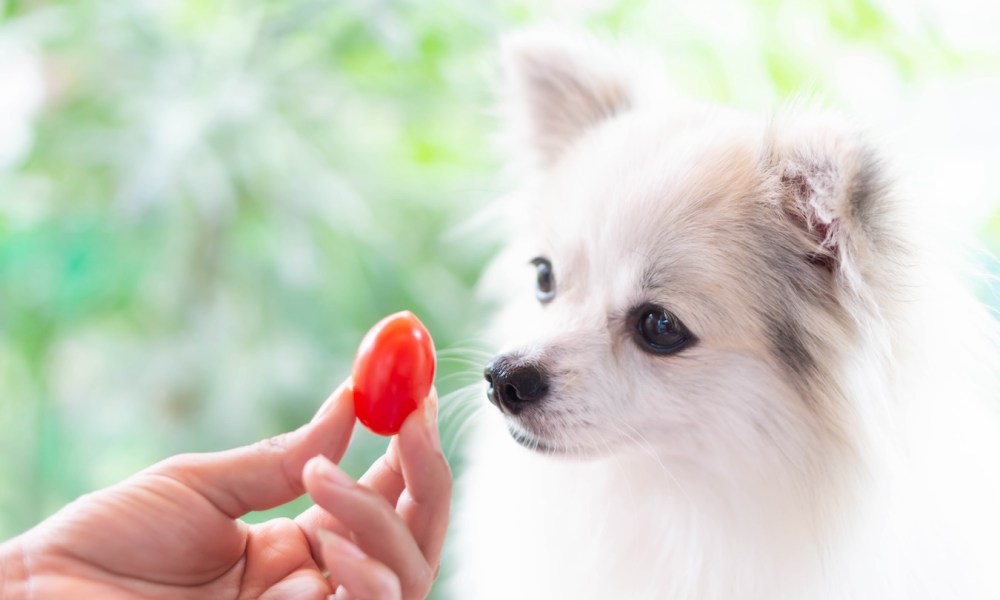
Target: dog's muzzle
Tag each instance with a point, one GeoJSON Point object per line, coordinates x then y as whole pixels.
{"type": "Point", "coordinates": [514, 385]}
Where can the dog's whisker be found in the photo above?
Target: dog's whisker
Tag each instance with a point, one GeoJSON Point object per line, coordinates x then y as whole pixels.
{"type": "Point", "coordinates": [463, 353]}
{"type": "Point", "coordinates": [460, 401]}
{"type": "Point", "coordinates": [472, 342]}
{"type": "Point", "coordinates": [454, 442]}
{"type": "Point", "coordinates": [463, 377]}
{"type": "Point", "coordinates": [462, 350]}
{"type": "Point", "coordinates": [475, 365]}
{"type": "Point", "coordinates": [458, 398]}
{"type": "Point", "coordinates": [456, 414]}
{"type": "Point", "coordinates": [456, 417]}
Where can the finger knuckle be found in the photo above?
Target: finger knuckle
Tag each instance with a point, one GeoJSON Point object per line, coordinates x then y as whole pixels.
{"type": "Point", "coordinates": [389, 585]}
{"type": "Point", "coordinates": [177, 462]}
{"type": "Point", "coordinates": [443, 484]}
{"type": "Point", "coordinates": [427, 579]}
{"type": "Point", "coordinates": [447, 480]}
{"type": "Point", "coordinates": [419, 583]}
{"type": "Point", "coordinates": [279, 443]}
{"type": "Point", "coordinates": [391, 465]}
{"type": "Point", "coordinates": [177, 467]}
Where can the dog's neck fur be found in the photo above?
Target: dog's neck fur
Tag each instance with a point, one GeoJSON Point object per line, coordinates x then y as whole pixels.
{"type": "Point", "coordinates": [572, 523]}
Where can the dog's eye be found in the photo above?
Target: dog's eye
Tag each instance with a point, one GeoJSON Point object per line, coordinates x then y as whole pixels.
{"type": "Point", "coordinates": [545, 286]}
{"type": "Point", "coordinates": [657, 330]}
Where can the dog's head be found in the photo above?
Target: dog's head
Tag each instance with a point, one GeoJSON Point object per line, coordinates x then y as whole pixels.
{"type": "Point", "coordinates": [692, 277]}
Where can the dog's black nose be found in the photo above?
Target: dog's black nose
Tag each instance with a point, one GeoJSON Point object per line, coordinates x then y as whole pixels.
{"type": "Point", "coordinates": [514, 385]}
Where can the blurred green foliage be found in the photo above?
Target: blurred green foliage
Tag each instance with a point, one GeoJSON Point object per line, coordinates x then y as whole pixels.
{"type": "Point", "coordinates": [217, 198]}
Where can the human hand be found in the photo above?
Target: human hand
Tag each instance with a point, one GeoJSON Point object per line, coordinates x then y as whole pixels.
{"type": "Point", "coordinates": [396, 515]}
{"type": "Point", "coordinates": [174, 531]}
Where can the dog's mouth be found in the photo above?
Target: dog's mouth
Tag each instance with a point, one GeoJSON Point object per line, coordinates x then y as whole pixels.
{"type": "Point", "coordinates": [532, 442]}
{"type": "Point", "coordinates": [537, 444]}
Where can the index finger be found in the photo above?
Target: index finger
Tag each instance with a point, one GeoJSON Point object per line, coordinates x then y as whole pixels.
{"type": "Point", "coordinates": [268, 473]}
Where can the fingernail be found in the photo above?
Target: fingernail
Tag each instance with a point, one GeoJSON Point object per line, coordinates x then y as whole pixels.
{"type": "Point", "coordinates": [430, 419]}
{"type": "Point", "coordinates": [338, 544]}
{"type": "Point", "coordinates": [331, 472]}
{"type": "Point", "coordinates": [331, 401]}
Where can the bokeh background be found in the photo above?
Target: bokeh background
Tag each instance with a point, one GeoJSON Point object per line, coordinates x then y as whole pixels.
{"type": "Point", "coordinates": [205, 203]}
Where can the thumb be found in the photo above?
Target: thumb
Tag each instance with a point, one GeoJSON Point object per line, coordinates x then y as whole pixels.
{"type": "Point", "coordinates": [268, 473]}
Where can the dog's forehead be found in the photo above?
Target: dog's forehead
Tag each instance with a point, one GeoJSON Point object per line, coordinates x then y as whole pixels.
{"type": "Point", "coordinates": [644, 195]}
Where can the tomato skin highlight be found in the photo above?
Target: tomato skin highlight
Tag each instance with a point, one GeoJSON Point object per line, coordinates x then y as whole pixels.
{"type": "Point", "coordinates": [393, 372]}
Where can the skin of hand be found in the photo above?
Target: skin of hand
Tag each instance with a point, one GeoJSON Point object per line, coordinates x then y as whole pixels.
{"type": "Point", "coordinates": [174, 529]}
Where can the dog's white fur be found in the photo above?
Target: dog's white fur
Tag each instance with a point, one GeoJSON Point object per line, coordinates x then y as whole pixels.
{"type": "Point", "coordinates": [831, 434]}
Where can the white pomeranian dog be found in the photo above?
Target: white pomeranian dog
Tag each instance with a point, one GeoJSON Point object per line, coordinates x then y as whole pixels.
{"type": "Point", "coordinates": [735, 371]}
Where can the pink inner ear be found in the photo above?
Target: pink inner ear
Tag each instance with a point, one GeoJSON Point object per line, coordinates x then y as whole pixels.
{"type": "Point", "coordinates": [822, 230]}
{"type": "Point", "coordinates": [803, 213]}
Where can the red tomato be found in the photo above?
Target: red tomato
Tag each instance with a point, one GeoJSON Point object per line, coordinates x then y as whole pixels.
{"type": "Point", "coordinates": [393, 372]}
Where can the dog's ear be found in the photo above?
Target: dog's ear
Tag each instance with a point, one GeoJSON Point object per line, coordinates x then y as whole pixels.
{"type": "Point", "coordinates": [559, 85]}
{"type": "Point", "coordinates": [832, 188]}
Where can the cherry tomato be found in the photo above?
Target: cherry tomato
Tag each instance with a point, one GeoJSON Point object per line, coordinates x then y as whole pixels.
{"type": "Point", "coordinates": [393, 372]}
